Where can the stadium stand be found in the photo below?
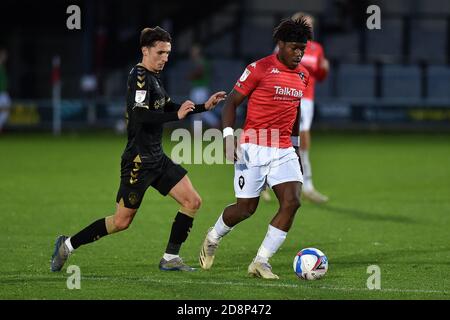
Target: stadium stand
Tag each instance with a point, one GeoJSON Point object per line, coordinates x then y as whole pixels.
{"type": "Point", "coordinates": [385, 45]}
{"type": "Point", "coordinates": [428, 40]}
{"type": "Point", "coordinates": [406, 63]}
{"type": "Point", "coordinates": [401, 84]}
{"type": "Point", "coordinates": [438, 80]}
{"type": "Point", "coordinates": [356, 83]}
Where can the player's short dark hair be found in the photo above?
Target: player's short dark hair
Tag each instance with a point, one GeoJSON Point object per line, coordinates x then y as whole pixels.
{"type": "Point", "coordinates": [150, 35]}
{"type": "Point", "coordinates": [290, 30]}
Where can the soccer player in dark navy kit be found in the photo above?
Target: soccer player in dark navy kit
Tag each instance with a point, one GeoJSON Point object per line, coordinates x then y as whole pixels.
{"type": "Point", "coordinates": [144, 163]}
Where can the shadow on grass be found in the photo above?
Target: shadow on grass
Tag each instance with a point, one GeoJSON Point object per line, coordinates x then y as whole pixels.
{"type": "Point", "coordinates": [394, 257]}
{"type": "Point", "coordinates": [365, 215]}
{"type": "Point", "coordinates": [38, 278]}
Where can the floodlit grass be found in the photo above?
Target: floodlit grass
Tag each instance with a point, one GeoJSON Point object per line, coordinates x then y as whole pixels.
{"type": "Point", "coordinates": [390, 206]}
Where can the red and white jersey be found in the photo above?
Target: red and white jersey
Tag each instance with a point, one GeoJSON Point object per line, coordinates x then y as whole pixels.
{"type": "Point", "coordinates": [312, 61]}
{"type": "Point", "coordinates": [274, 92]}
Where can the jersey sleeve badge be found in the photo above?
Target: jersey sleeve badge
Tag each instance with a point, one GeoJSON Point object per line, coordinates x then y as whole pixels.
{"type": "Point", "coordinates": [140, 96]}
{"type": "Point", "coordinates": [244, 75]}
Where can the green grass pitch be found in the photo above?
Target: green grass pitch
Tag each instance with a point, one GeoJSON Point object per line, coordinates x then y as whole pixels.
{"type": "Point", "coordinates": [390, 206]}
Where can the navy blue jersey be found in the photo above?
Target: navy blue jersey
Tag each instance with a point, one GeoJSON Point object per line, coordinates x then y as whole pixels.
{"type": "Point", "coordinates": [148, 108]}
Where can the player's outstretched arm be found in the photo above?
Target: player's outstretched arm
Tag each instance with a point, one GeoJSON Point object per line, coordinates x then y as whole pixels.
{"type": "Point", "coordinates": [233, 100]}
{"type": "Point", "coordinates": [145, 115]}
{"type": "Point", "coordinates": [215, 99]}
{"type": "Point", "coordinates": [188, 107]}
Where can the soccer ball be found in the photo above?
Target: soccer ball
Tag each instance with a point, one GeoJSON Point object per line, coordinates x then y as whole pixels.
{"type": "Point", "coordinates": [310, 264]}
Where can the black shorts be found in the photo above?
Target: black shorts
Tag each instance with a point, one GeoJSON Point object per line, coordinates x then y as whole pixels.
{"type": "Point", "coordinates": [135, 180]}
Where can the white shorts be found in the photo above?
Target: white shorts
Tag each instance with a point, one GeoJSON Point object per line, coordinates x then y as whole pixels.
{"type": "Point", "coordinates": [259, 165]}
{"type": "Point", "coordinates": [307, 109]}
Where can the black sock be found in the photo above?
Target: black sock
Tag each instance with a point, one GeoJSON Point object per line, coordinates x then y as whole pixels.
{"type": "Point", "coordinates": [93, 232]}
{"type": "Point", "coordinates": [179, 233]}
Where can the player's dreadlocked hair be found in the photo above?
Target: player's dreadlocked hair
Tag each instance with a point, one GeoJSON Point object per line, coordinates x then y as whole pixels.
{"type": "Point", "coordinates": [290, 30]}
{"type": "Point", "coordinates": [150, 35]}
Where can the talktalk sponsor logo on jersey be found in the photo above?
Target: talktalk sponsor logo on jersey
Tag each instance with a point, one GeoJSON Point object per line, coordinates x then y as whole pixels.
{"type": "Point", "coordinates": [286, 91]}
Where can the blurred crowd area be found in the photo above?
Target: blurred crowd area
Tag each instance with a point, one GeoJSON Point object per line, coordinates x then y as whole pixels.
{"type": "Point", "coordinates": [398, 74]}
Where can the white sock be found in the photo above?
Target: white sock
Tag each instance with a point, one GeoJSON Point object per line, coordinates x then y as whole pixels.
{"type": "Point", "coordinates": [272, 242]}
{"type": "Point", "coordinates": [169, 257]}
{"type": "Point", "coordinates": [69, 245]}
{"type": "Point", "coordinates": [307, 171]}
{"type": "Point", "coordinates": [219, 231]}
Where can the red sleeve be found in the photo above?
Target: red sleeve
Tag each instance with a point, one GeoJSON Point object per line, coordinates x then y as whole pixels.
{"type": "Point", "coordinates": [249, 79]}
{"type": "Point", "coordinates": [307, 80]}
{"type": "Point", "coordinates": [321, 74]}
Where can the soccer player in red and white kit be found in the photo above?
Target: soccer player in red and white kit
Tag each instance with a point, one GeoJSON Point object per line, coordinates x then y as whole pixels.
{"type": "Point", "coordinates": [269, 144]}
{"type": "Point", "coordinates": [318, 66]}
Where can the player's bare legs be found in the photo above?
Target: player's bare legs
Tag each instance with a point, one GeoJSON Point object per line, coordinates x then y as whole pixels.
{"type": "Point", "coordinates": [288, 196]}
{"type": "Point", "coordinates": [188, 198]}
{"type": "Point", "coordinates": [239, 211]}
{"type": "Point", "coordinates": [64, 245]}
{"type": "Point", "coordinates": [309, 192]}
{"type": "Point", "coordinates": [231, 216]}
{"type": "Point", "coordinates": [121, 219]}
{"type": "Point", "coordinates": [185, 194]}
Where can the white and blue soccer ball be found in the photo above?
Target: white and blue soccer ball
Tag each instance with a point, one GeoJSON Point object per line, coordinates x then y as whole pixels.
{"type": "Point", "coordinates": [310, 264]}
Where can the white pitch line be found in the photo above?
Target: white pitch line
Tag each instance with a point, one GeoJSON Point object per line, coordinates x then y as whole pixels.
{"type": "Point", "coordinates": [279, 285]}
{"type": "Point", "coordinates": [231, 283]}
